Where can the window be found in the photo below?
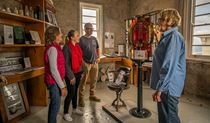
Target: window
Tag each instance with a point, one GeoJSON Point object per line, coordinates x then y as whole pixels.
{"type": "Point", "coordinates": [92, 13]}
{"type": "Point", "coordinates": [201, 27]}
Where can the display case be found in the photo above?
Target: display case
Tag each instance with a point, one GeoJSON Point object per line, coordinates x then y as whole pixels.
{"type": "Point", "coordinates": [13, 101]}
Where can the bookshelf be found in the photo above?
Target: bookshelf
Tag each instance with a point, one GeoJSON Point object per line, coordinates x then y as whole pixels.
{"type": "Point", "coordinates": [20, 45]}
{"type": "Point", "coordinates": [22, 76]}
{"type": "Point", "coordinates": [19, 18]}
{"type": "Point", "coordinates": [35, 92]}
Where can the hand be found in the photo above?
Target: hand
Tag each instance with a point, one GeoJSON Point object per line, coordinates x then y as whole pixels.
{"type": "Point", "coordinates": [158, 35]}
{"type": "Point", "coordinates": [82, 76]}
{"type": "Point", "coordinates": [97, 60]}
{"type": "Point", "coordinates": [72, 82]}
{"type": "Point", "coordinates": [157, 96]}
{"type": "Point", "coordinates": [64, 92]}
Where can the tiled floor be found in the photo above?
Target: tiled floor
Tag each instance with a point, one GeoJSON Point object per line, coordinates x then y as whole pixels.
{"type": "Point", "coordinates": [191, 110]}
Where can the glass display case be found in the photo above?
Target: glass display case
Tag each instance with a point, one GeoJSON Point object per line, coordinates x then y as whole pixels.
{"type": "Point", "coordinates": [13, 101]}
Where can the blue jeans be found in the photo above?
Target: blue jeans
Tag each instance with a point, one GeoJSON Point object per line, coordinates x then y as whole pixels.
{"type": "Point", "coordinates": [55, 99]}
{"type": "Point", "coordinates": [168, 109]}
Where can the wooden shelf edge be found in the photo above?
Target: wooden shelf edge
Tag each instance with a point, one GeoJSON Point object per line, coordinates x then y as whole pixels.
{"type": "Point", "coordinates": [24, 76]}
{"type": "Point", "coordinates": [110, 59]}
{"type": "Point", "coordinates": [19, 17]}
{"type": "Point", "coordinates": [22, 45]}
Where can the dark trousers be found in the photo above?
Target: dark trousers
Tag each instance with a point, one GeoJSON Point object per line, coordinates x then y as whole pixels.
{"type": "Point", "coordinates": [168, 109]}
{"type": "Point", "coordinates": [72, 93]}
{"type": "Point", "coordinates": [55, 99]}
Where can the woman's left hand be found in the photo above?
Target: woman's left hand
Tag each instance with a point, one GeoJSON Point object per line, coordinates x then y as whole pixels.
{"type": "Point", "coordinates": [157, 96]}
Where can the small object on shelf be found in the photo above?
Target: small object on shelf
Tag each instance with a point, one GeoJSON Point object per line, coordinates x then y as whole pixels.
{"type": "Point", "coordinates": [28, 37]}
{"type": "Point", "coordinates": [20, 11]}
{"type": "Point", "coordinates": [3, 10]}
{"type": "Point", "coordinates": [6, 32]}
{"type": "Point", "coordinates": [15, 10]}
{"type": "Point", "coordinates": [13, 101]}
{"type": "Point", "coordinates": [19, 35]}
{"type": "Point", "coordinates": [38, 14]}
{"type": "Point", "coordinates": [35, 37]}
{"type": "Point", "coordinates": [31, 12]}
{"type": "Point", "coordinates": [27, 62]}
{"type": "Point", "coordinates": [26, 11]}
{"type": "Point", "coordinates": [8, 10]}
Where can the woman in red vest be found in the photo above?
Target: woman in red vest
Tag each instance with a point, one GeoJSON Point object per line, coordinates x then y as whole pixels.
{"type": "Point", "coordinates": [54, 71]}
{"type": "Point", "coordinates": [73, 60]}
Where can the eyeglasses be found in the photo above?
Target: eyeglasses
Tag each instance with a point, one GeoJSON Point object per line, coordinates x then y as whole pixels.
{"type": "Point", "coordinates": [160, 20]}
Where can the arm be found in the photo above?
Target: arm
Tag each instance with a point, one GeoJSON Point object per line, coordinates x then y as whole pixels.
{"type": "Point", "coordinates": [67, 55]}
{"type": "Point", "coordinates": [167, 71]}
{"type": "Point", "coordinates": [52, 54]}
{"type": "Point", "coordinates": [97, 49]}
{"type": "Point", "coordinates": [97, 52]}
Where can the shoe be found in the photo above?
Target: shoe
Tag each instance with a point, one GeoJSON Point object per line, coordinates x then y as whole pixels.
{"type": "Point", "coordinates": [94, 98]}
{"type": "Point", "coordinates": [67, 117]}
{"type": "Point", "coordinates": [81, 103]}
{"type": "Point", "coordinates": [77, 111]}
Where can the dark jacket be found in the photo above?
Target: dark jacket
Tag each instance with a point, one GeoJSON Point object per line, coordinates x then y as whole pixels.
{"type": "Point", "coordinates": [67, 55]}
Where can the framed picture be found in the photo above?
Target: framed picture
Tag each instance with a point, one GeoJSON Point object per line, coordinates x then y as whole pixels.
{"type": "Point", "coordinates": [51, 18]}
{"type": "Point", "coordinates": [54, 20]}
{"type": "Point", "coordinates": [13, 101]}
{"type": "Point", "coordinates": [27, 62]}
{"type": "Point", "coordinates": [35, 37]}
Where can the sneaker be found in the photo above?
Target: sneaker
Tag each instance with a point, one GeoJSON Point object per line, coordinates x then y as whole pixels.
{"type": "Point", "coordinates": [67, 117]}
{"type": "Point", "coordinates": [94, 98]}
{"type": "Point", "coordinates": [77, 111]}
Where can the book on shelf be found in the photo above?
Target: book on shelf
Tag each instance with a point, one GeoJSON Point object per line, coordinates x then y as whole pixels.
{"type": "Point", "coordinates": [35, 37]}
{"type": "Point", "coordinates": [6, 34]}
{"type": "Point", "coordinates": [27, 62]}
{"type": "Point", "coordinates": [19, 35]}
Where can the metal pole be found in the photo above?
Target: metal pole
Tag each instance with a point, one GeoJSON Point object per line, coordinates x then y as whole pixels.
{"type": "Point", "coordinates": [139, 111]}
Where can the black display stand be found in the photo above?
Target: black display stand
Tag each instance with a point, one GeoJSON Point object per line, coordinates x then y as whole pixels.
{"type": "Point", "coordinates": [139, 111]}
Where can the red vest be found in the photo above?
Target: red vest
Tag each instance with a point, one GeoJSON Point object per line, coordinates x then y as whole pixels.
{"type": "Point", "coordinates": [60, 64]}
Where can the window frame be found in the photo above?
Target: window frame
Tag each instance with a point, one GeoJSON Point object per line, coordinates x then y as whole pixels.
{"type": "Point", "coordinates": [99, 19]}
{"type": "Point", "coordinates": [188, 31]}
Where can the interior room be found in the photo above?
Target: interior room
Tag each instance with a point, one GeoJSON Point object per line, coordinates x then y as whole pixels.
{"type": "Point", "coordinates": [104, 61]}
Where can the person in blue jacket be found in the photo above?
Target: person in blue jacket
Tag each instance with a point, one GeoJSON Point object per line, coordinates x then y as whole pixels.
{"type": "Point", "coordinates": [169, 67]}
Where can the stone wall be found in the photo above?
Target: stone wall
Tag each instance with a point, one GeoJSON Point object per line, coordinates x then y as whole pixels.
{"type": "Point", "coordinates": [198, 78]}
{"type": "Point", "coordinates": [138, 7]}
{"type": "Point", "coordinates": [114, 13]}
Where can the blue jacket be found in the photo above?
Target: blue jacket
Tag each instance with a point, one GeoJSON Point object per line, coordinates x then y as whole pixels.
{"type": "Point", "coordinates": [169, 64]}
